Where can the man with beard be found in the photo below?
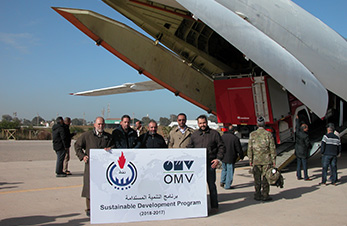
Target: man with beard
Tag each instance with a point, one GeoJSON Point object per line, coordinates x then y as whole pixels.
{"type": "Point", "coordinates": [95, 139]}
{"type": "Point", "coordinates": [124, 136]}
{"type": "Point", "coordinates": [152, 139]}
{"type": "Point", "coordinates": [210, 139]}
{"type": "Point", "coordinates": [179, 136]}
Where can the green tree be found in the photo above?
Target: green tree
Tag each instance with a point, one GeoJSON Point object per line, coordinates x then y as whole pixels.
{"type": "Point", "coordinates": [16, 120]}
{"type": "Point", "coordinates": [78, 122]}
{"type": "Point", "coordinates": [164, 121]}
{"type": "Point", "coordinates": [7, 118]}
{"type": "Point", "coordinates": [26, 122]}
{"type": "Point", "coordinates": [36, 121]}
{"type": "Point", "coordinates": [173, 118]}
{"type": "Point", "coordinates": [75, 129]}
{"type": "Point", "coordinates": [4, 124]}
{"type": "Point", "coordinates": [145, 120]}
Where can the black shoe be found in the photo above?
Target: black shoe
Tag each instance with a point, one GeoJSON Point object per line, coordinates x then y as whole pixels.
{"type": "Point", "coordinates": [299, 178]}
{"type": "Point", "coordinates": [266, 199]}
{"type": "Point", "coordinates": [222, 184]}
{"type": "Point", "coordinates": [213, 211]}
{"type": "Point", "coordinates": [256, 198]}
{"type": "Point", "coordinates": [61, 175]}
{"type": "Point", "coordinates": [88, 213]}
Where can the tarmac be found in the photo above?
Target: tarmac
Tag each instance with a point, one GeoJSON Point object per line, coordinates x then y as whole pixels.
{"type": "Point", "coordinates": [30, 194]}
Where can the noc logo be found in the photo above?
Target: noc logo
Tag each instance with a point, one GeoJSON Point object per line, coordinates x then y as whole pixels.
{"type": "Point", "coordinates": [121, 175]}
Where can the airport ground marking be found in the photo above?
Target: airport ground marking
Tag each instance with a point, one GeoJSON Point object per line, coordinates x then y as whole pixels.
{"type": "Point", "coordinates": [39, 189]}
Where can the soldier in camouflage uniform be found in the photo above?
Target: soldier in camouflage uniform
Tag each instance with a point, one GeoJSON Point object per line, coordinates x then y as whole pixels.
{"type": "Point", "coordinates": [262, 155]}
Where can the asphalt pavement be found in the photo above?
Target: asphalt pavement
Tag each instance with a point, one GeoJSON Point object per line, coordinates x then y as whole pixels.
{"type": "Point", "coordinates": [30, 194]}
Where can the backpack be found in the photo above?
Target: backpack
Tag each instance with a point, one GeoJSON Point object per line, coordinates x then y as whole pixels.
{"type": "Point", "coordinates": [274, 177]}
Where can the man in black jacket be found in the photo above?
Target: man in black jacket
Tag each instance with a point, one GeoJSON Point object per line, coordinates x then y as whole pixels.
{"type": "Point", "coordinates": [233, 150]}
{"type": "Point", "coordinates": [124, 136]}
{"type": "Point", "coordinates": [302, 148]}
{"type": "Point", "coordinates": [210, 139]}
{"type": "Point", "coordinates": [59, 145]}
{"type": "Point", "coordinates": [152, 139]}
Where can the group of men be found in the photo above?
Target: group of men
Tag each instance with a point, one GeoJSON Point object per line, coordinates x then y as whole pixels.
{"type": "Point", "coordinates": [126, 137]}
{"type": "Point", "coordinates": [61, 145]}
{"type": "Point", "coordinates": [222, 150]}
{"type": "Point", "coordinates": [123, 137]}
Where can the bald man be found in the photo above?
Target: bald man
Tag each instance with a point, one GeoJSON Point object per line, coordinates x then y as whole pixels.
{"type": "Point", "coordinates": [94, 139]}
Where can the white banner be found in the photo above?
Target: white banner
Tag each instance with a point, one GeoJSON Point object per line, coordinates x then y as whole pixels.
{"type": "Point", "coordinates": [147, 184]}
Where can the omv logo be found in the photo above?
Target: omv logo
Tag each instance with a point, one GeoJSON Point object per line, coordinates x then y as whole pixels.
{"type": "Point", "coordinates": [122, 175]}
{"type": "Point", "coordinates": [178, 172]}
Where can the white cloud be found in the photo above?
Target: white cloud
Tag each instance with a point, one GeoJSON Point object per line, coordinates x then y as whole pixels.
{"type": "Point", "coordinates": [20, 41]}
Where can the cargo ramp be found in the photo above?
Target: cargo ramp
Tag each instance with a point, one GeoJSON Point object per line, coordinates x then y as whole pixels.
{"type": "Point", "coordinates": [286, 152]}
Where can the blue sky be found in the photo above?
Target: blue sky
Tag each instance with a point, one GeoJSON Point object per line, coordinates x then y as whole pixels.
{"type": "Point", "coordinates": [43, 58]}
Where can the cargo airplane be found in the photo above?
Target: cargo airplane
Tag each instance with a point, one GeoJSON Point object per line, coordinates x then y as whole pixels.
{"type": "Point", "coordinates": [233, 58]}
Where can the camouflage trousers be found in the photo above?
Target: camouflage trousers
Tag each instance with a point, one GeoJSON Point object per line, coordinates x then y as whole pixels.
{"type": "Point", "coordinates": [262, 187]}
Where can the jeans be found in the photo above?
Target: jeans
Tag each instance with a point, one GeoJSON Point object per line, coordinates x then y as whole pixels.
{"type": "Point", "coordinates": [211, 182]}
{"type": "Point", "coordinates": [331, 175]}
{"type": "Point", "coordinates": [60, 160]}
{"type": "Point", "coordinates": [326, 161]}
{"type": "Point", "coordinates": [302, 161]}
{"type": "Point", "coordinates": [227, 174]}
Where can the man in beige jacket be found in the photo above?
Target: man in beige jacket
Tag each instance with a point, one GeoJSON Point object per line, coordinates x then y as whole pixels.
{"type": "Point", "coordinates": [179, 136]}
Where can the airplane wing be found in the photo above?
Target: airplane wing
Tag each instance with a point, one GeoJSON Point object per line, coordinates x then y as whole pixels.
{"type": "Point", "coordinates": [124, 88]}
{"type": "Point", "coordinates": [223, 39]}
{"type": "Point", "coordinates": [147, 57]}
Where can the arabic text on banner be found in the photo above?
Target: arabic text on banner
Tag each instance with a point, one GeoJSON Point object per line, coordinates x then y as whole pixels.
{"type": "Point", "coordinates": [147, 184]}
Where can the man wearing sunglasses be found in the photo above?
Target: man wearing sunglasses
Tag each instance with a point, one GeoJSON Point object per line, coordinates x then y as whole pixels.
{"type": "Point", "coordinates": [179, 136]}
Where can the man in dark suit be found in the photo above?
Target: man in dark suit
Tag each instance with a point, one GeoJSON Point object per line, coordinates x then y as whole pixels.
{"type": "Point", "coordinates": [59, 145]}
